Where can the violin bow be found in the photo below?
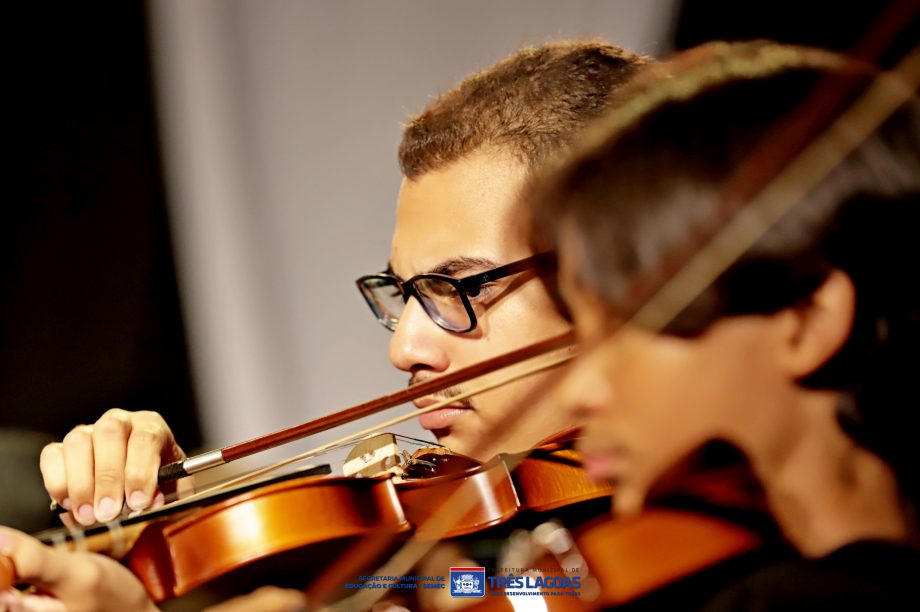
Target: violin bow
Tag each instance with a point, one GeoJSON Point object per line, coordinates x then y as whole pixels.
{"type": "Point", "coordinates": [540, 367]}
{"type": "Point", "coordinates": [214, 458]}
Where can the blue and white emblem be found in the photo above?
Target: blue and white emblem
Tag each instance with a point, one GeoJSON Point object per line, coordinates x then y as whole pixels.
{"type": "Point", "coordinates": [467, 582]}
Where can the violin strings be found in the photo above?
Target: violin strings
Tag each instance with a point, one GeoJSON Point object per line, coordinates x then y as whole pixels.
{"type": "Point", "coordinates": [424, 443]}
{"type": "Point", "coordinates": [888, 92]}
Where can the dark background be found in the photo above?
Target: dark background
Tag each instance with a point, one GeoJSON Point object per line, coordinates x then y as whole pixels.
{"type": "Point", "coordinates": [89, 313]}
{"type": "Point", "coordinates": [89, 316]}
{"type": "Point", "coordinates": [840, 25]}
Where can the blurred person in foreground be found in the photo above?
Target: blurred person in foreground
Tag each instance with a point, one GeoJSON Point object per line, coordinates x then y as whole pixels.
{"type": "Point", "coordinates": [802, 353]}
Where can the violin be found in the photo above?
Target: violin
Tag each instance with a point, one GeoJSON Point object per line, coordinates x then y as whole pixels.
{"type": "Point", "coordinates": [176, 551]}
{"type": "Point", "coordinates": [181, 546]}
{"type": "Point", "coordinates": [124, 535]}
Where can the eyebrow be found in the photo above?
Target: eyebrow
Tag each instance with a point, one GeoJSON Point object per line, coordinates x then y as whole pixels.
{"type": "Point", "coordinates": [455, 265]}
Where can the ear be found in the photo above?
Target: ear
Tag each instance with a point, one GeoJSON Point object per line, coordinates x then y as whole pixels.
{"type": "Point", "coordinates": [821, 326]}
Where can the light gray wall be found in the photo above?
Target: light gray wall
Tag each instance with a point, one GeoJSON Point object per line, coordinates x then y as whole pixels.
{"type": "Point", "coordinates": [280, 122]}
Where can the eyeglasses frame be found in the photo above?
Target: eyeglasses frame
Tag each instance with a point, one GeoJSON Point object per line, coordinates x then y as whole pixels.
{"type": "Point", "coordinates": [466, 287]}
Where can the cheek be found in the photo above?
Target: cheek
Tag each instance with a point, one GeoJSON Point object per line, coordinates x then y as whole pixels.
{"type": "Point", "coordinates": [669, 397]}
{"type": "Point", "coordinates": [523, 398]}
{"type": "Point", "coordinates": [523, 317]}
{"type": "Point", "coordinates": [683, 393]}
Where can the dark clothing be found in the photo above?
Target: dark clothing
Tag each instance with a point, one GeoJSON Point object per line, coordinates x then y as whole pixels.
{"type": "Point", "coordinates": [867, 575]}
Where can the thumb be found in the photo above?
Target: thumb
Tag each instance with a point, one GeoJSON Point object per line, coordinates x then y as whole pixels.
{"type": "Point", "coordinates": [25, 559]}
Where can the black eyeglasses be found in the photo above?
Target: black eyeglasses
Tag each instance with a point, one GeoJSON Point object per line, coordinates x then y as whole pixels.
{"type": "Point", "coordinates": [444, 298]}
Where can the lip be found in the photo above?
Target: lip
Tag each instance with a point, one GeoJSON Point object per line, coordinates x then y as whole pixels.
{"type": "Point", "coordinates": [442, 418]}
{"type": "Point", "coordinates": [603, 465]}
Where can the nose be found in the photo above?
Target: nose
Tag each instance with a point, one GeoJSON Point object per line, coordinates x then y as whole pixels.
{"type": "Point", "coordinates": [417, 343]}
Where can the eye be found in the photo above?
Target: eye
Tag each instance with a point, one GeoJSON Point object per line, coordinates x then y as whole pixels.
{"type": "Point", "coordinates": [481, 292]}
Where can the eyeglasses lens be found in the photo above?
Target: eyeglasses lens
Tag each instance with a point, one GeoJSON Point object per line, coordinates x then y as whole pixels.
{"type": "Point", "coordinates": [385, 299]}
{"type": "Point", "coordinates": [443, 304]}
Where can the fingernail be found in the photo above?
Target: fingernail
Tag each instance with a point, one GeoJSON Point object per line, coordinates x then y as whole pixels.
{"type": "Point", "coordinates": [106, 510]}
{"type": "Point", "coordinates": [138, 500]}
{"type": "Point", "coordinates": [159, 500]}
{"type": "Point", "coordinates": [66, 503]}
{"type": "Point", "coordinates": [86, 515]}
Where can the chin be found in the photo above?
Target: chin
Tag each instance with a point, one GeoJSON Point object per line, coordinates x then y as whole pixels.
{"type": "Point", "coordinates": [462, 437]}
{"type": "Point", "coordinates": [630, 495]}
{"type": "Point", "coordinates": [450, 439]}
{"type": "Point", "coordinates": [468, 444]}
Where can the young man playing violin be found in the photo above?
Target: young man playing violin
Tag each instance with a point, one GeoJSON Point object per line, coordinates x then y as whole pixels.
{"type": "Point", "coordinates": [802, 352]}
{"type": "Point", "coordinates": [459, 215]}
{"type": "Point", "coordinates": [465, 160]}
{"type": "Point", "coordinates": [460, 219]}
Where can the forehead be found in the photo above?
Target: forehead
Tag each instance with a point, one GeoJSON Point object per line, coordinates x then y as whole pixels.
{"type": "Point", "coordinates": [467, 209]}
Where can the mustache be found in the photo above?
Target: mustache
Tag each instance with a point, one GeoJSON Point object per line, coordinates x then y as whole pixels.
{"type": "Point", "coordinates": [444, 394]}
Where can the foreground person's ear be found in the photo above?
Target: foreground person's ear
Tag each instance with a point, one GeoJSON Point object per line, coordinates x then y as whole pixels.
{"type": "Point", "coordinates": [817, 329]}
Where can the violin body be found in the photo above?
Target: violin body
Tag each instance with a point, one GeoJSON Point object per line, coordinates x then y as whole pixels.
{"type": "Point", "coordinates": [468, 501]}
{"type": "Point", "coordinates": [633, 557]}
{"type": "Point", "coordinates": [172, 558]}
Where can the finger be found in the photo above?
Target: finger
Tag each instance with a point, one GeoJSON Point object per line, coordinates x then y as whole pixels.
{"type": "Point", "coordinates": [54, 474]}
{"type": "Point", "coordinates": [81, 581]}
{"type": "Point", "coordinates": [266, 599]}
{"type": "Point", "coordinates": [34, 563]}
{"type": "Point", "coordinates": [69, 521]}
{"type": "Point", "coordinates": [80, 471]}
{"type": "Point", "coordinates": [110, 440]}
{"type": "Point", "coordinates": [68, 576]}
{"type": "Point", "coordinates": [8, 600]}
{"type": "Point", "coordinates": [150, 442]}
{"type": "Point", "coordinates": [17, 601]}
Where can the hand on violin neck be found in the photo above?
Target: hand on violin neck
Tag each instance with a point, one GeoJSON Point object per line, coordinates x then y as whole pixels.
{"type": "Point", "coordinates": [68, 580]}
{"type": "Point", "coordinates": [99, 468]}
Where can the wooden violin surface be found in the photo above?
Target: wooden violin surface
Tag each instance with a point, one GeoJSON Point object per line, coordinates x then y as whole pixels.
{"type": "Point", "coordinates": [634, 556]}
{"type": "Point", "coordinates": [542, 479]}
{"type": "Point", "coordinates": [173, 558]}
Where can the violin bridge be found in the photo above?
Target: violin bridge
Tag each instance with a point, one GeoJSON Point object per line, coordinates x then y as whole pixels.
{"type": "Point", "coordinates": [372, 456]}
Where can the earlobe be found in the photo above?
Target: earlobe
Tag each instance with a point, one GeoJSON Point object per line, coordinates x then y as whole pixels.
{"type": "Point", "coordinates": [822, 324]}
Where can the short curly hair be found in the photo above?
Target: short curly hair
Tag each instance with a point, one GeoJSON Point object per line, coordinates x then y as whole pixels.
{"type": "Point", "coordinates": [530, 104]}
